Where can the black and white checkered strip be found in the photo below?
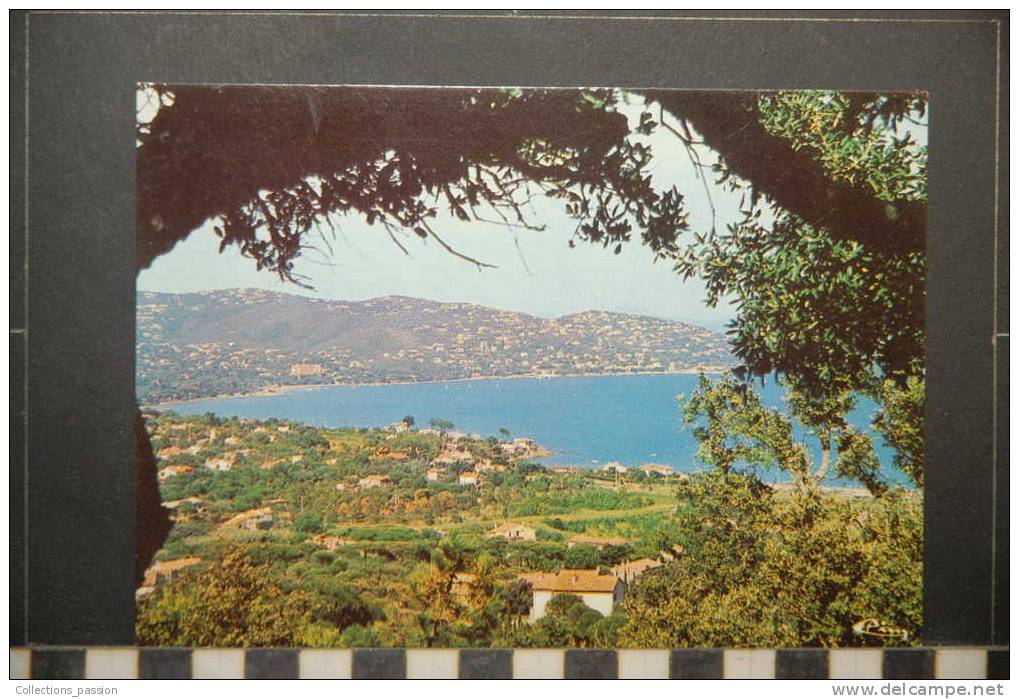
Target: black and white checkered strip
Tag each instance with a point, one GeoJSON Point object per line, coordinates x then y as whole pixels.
{"type": "Point", "coordinates": [53, 663]}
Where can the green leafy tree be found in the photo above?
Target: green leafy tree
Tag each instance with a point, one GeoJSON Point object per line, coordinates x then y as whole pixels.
{"type": "Point", "coordinates": [457, 562]}
{"type": "Point", "coordinates": [360, 637]}
{"type": "Point", "coordinates": [234, 603]}
{"type": "Point", "coordinates": [582, 556]}
{"type": "Point", "coordinates": [309, 524]}
{"type": "Point", "coordinates": [519, 597]}
{"type": "Point", "coordinates": [832, 314]}
{"type": "Point", "coordinates": [736, 432]}
{"type": "Point", "coordinates": [763, 570]}
{"type": "Point", "coordinates": [901, 423]}
{"type": "Point", "coordinates": [568, 622]}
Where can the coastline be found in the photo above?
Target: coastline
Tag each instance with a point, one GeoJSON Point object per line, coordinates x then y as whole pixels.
{"type": "Point", "coordinates": [561, 458]}
{"type": "Point", "coordinates": [284, 389]}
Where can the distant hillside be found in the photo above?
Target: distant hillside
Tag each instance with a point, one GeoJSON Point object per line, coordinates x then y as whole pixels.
{"type": "Point", "coordinates": [238, 340]}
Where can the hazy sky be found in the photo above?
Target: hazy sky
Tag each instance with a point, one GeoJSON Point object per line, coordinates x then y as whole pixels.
{"type": "Point", "coordinates": [537, 272]}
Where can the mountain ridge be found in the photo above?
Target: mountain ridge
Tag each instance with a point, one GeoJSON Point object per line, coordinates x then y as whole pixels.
{"type": "Point", "coordinates": [238, 340]}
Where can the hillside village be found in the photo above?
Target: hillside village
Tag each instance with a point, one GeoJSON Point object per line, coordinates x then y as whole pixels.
{"type": "Point", "coordinates": [366, 510]}
{"type": "Point", "coordinates": [243, 340]}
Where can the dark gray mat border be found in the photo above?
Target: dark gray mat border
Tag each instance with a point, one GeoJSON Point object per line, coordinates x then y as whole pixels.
{"type": "Point", "coordinates": [80, 301]}
{"type": "Point", "coordinates": [17, 228]}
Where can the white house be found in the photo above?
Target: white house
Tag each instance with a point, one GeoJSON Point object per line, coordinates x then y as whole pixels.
{"type": "Point", "coordinates": [614, 467]}
{"type": "Point", "coordinates": [375, 480]}
{"type": "Point", "coordinates": [171, 471]}
{"type": "Point", "coordinates": [453, 456]}
{"type": "Point", "coordinates": [657, 469]}
{"type": "Point", "coordinates": [522, 447]}
{"type": "Point", "coordinates": [513, 532]}
{"type": "Point", "coordinates": [599, 592]}
{"type": "Point", "coordinates": [259, 518]}
{"type": "Point", "coordinates": [221, 463]}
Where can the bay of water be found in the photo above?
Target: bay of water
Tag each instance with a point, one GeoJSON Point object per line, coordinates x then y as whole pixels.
{"type": "Point", "coordinates": [585, 421]}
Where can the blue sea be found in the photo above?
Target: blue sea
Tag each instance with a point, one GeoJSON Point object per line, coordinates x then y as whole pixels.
{"type": "Point", "coordinates": [584, 421]}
